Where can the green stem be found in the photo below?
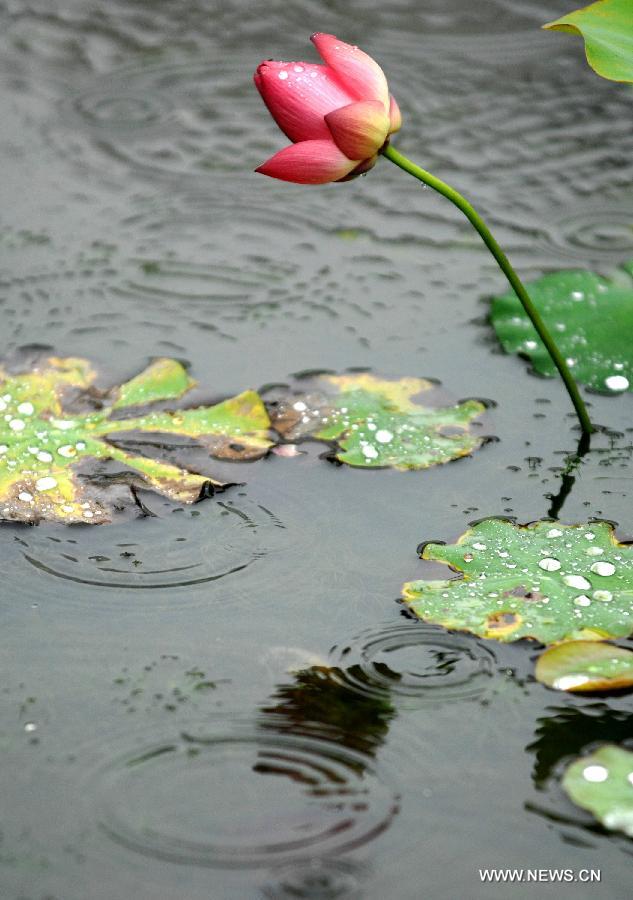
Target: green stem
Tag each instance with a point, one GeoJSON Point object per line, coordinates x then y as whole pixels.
{"type": "Point", "coordinates": [504, 264]}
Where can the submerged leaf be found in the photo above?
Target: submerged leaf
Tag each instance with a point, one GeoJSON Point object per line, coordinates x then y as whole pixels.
{"type": "Point", "coordinates": [603, 784]}
{"type": "Point", "coordinates": [607, 29]}
{"type": "Point", "coordinates": [585, 666]}
{"type": "Point", "coordinates": [590, 318]}
{"type": "Point", "coordinates": [374, 422]}
{"type": "Point", "coordinates": [43, 438]}
{"type": "Point", "coordinates": [546, 581]}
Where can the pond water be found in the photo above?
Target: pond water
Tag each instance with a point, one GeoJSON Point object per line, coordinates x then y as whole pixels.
{"type": "Point", "coordinates": [169, 726]}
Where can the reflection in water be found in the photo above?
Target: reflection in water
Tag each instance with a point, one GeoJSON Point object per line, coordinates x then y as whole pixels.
{"type": "Point", "coordinates": [568, 477]}
{"type": "Point", "coordinates": [572, 730]}
{"type": "Point", "coordinates": [319, 703]}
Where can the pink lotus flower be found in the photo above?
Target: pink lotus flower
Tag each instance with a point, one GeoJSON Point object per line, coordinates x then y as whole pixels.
{"type": "Point", "coordinates": [338, 115]}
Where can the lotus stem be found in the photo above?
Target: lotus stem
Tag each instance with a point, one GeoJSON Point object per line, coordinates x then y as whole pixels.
{"type": "Point", "coordinates": [503, 262]}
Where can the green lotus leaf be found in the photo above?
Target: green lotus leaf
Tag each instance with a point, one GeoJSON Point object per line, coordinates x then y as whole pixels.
{"type": "Point", "coordinates": [546, 581]}
{"type": "Point", "coordinates": [43, 439]}
{"type": "Point", "coordinates": [590, 318]}
{"type": "Point", "coordinates": [374, 422]}
{"type": "Point", "coordinates": [585, 666]}
{"type": "Point", "coordinates": [607, 29]}
{"type": "Point", "coordinates": [603, 784]}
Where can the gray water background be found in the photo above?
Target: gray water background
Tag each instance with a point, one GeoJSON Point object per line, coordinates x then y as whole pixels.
{"type": "Point", "coordinates": [157, 741]}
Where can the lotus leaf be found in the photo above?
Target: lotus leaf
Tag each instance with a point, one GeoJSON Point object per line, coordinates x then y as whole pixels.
{"type": "Point", "coordinates": [546, 581]}
{"type": "Point", "coordinates": [373, 422]}
{"type": "Point", "coordinates": [590, 318]}
{"type": "Point", "coordinates": [53, 419]}
{"type": "Point", "coordinates": [603, 784]}
{"type": "Point", "coordinates": [585, 666]}
{"type": "Point", "coordinates": [607, 29]}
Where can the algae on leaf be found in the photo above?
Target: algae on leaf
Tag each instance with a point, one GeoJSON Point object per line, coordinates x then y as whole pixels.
{"type": "Point", "coordinates": [603, 784]}
{"type": "Point", "coordinates": [607, 29]}
{"type": "Point", "coordinates": [374, 422]}
{"type": "Point", "coordinates": [590, 317]}
{"type": "Point", "coordinates": [53, 420]}
{"type": "Point", "coordinates": [546, 581]}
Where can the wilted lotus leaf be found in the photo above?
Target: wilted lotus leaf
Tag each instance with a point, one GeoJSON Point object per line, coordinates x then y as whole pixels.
{"type": "Point", "coordinates": [607, 27]}
{"type": "Point", "coordinates": [603, 784]}
{"type": "Point", "coordinates": [374, 422]}
{"type": "Point", "coordinates": [43, 438]}
{"type": "Point", "coordinates": [585, 666]}
{"type": "Point", "coordinates": [590, 318]}
{"type": "Point", "coordinates": [546, 581]}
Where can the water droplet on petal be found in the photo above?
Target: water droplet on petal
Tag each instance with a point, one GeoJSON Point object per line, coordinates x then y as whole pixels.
{"type": "Point", "coordinates": [283, 76]}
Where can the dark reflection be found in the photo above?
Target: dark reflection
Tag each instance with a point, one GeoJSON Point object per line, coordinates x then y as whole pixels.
{"type": "Point", "coordinates": [317, 704]}
{"type": "Point", "coordinates": [568, 476]}
{"type": "Point", "coordinates": [570, 730]}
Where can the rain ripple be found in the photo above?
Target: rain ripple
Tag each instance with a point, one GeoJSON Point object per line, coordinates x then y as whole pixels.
{"type": "Point", "coordinates": [415, 663]}
{"type": "Point", "coordinates": [228, 795]}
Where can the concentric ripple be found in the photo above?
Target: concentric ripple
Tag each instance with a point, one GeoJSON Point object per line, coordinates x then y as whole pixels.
{"type": "Point", "coordinates": [420, 663]}
{"type": "Point", "coordinates": [166, 121]}
{"type": "Point", "coordinates": [216, 539]}
{"type": "Point", "coordinates": [594, 232]}
{"type": "Point", "coordinates": [228, 795]}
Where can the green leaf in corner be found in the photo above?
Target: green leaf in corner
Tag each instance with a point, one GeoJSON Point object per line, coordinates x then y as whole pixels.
{"type": "Point", "coordinates": [590, 318]}
{"type": "Point", "coordinates": [546, 581]}
{"type": "Point", "coordinates": [585, 666]}
{"type": "Point", "coordinates": [603, 784]}
{"type": "Point", "coordinates": [607, 29]}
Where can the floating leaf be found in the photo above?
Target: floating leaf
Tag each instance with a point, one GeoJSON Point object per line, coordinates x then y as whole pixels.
{"type": "Point", "coordinates": [373, 422]}
{"type": "Point", "coordinates": [43, 438]}
{"type": "Point", "coordinates": [591, 319]}
{"type": "Point", "coordinates": [607, 29]}
{"type": "Point", "coordinates": [603, 784]}
{"type": "Point", "coordinates": [546, 581]}
{"type": "Point", "coordinates": [585, 666]}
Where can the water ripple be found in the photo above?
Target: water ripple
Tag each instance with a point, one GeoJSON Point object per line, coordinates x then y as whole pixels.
{"type": "Point", "coordinates": [217, 539]}
{"type": "Point", "coordinates": [227, 795]}
{"type": "Point", "coordinates": [415, 662]}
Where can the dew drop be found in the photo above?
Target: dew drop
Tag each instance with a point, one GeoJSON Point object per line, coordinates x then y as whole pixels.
{"type": "Point", "coordinates": [549, 564]}
{"type": "Point", "coordinates": [283, 76]}
{"type": "Point", "coordinates": [44, 456]}
{"type": "Point", "coordinates": [595, 773]}
{"type": "Point", "coordinates": [577, 581]}
{"type": "Point", "coordinates": [530, 345]}
{"type": "Point", "coordinates": [26, 409]}
{"type": "Point", "coordinates": [300, 406]}
{"type": "Point", "coordinates": [369, 452]}
{"type": "Point", "coordinates": [16, 425]}
{"type": "Point", "coordinates": [594, 551]}
{"type": "Point", "coordinates": [46, 484]}
{"type": "Point", "coordinates": [582, 600]}
{"type": "Point", "coordinates": [629, 778]}
{"type": "Point", "coordinates": [604, 596]}
{"type": "Point", "coordinates": [603, 568]}
{"type": "Point", "coordinates": [480, 546]}
{"type": "Point", "coordinates": [617, 383]}
{"type": "Point", "coordinates": [468, 557]}
{"type": "Point", "coordinates": [67, 451]}
{"type": "Point", "coordinates": [554, 532]}
{"type": "Point", "coordinates": [25, 497]}
{"type": "Point", "coordinates": [383, 436]}
{"type": "Point", "coordinates": [590, 535]}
